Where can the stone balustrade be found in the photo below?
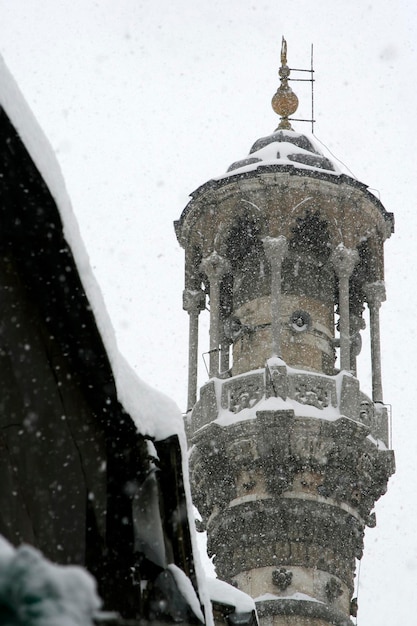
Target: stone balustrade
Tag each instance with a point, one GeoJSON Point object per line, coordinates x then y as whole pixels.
{"type": "Point", "coordinates": [306, 393]}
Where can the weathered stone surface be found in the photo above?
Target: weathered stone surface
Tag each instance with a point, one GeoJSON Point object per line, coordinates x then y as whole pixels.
{"type": "Point", "coordinates": [285, 532]}
{"type": "Point", "coordinates": [349, 398]}
{"type": "Point", "coordinates": [279, 452]}
{"type": "Point", "coordinates": [247, 390]}
{"type": "Point", "coordinates": [305, 613]}
{"type": "Point", "coordinates": [205, 411]}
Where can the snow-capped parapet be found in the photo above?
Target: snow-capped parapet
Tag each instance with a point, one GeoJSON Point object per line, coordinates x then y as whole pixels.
{"type": "Point", "coordinates": [36, 592]}
{"type": "Point", "coordinates": [284, 147]}
{"type": "Point", "coordinates": [280, 387]}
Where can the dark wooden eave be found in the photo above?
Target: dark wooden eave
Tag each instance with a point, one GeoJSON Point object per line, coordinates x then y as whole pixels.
{"type": "Point", "coordinates": [32, 239]}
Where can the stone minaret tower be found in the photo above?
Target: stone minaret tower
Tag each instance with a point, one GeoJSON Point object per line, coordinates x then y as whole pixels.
{"type": "Point", "coordinates": [288, 454]}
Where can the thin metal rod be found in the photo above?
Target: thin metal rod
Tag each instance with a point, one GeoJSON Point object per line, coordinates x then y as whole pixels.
{"type": "Point", "coordinates": [298, 119]}
{"type": "Point", "coordinates": [306, 80]}
{"type": "Point", "coordinates": [312, 93]}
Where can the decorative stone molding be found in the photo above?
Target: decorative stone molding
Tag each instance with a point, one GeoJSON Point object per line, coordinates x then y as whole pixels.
{"type": "Point", "coordinates": [323, 392]}
{"type": "Point", "coordinates": [344, 260]}
{"type": "Point", "coordinates": [375, 293]}
{"type": "Point", "coordinates": [294, 462]}
{"type": "Point", "coordinates": [367, 413]}
{"type": "Point", "coordinates": [349, 397]}
{"type": "Point", "coordinates": [303, 533]}
{"type": "Point", "coordinates": [382, 428]}
{"type": "Point", "coordinates": [316, 391]}
{"type": "Point", "coordinates": [371, 521]}
{"type": "Point", "coordinates": [214, 266]}
{"type": "Point", "coordinates": [333, 589]}
{"type": "Point", "coordinates": [274, 449]}
{"type": "Point", "coordinates": [276, 249]}
{"type": "Point", "coordinates": [243, 452]}
{"type": "Point", "coordinates": [277, 447]}
{"type": "Point", "coordinates": [276, 379]}
{"type": "Point", "coordinates": [356, 475]}
{"type": "Point", "coordinates": [206, 409]}
{"type": "Point", "coordinates": [211, 475]}
{"type": "Point", "coordinates": [318, 612]}
{"type": "Point", "coordinates": [243, 392]}
{"type": "Point", "coordinates": [300, 321]}
{"type": "Point", "coordinates": [353, 608]}
{"type": "Point", "coordinates": [282, 578]}
{"type": "Point", "coordinates": [193, 300]}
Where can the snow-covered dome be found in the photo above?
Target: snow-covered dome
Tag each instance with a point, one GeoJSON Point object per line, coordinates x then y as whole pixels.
{"type": "Point", "coordinates": [285, 147]}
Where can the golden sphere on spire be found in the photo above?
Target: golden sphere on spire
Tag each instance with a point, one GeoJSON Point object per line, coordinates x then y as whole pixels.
{"type": "Point", "coordinates": [284, 101]}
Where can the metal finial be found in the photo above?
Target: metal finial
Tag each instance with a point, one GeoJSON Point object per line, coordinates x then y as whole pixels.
{"type": "Point", "coordinates": [283, 52]}
{"type": "Point", "coordinates": [284, 101]}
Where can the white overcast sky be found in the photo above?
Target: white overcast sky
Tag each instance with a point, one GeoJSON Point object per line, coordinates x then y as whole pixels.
{"type": "Point", "coordinates": [143, 101]}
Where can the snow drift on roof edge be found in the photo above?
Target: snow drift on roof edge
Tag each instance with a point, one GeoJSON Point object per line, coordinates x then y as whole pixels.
{"type": "Point", "coordinates": [154, 413]}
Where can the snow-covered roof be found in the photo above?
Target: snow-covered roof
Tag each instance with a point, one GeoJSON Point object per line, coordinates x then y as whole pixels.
{"type": "Point", "coordinates": [285, 147]}
{"type": "Point", "coordinates": [287, 152]}
{"type": "Point", "coordinates": [153, 413]}
{"type": "Point", "coordinates": [222, 592]}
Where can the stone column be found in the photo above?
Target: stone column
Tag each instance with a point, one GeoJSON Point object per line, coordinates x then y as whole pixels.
{"type": "Point", "coordinates": [214, 266]}
{"type": "Point", "coordinates": [224, 355]}
{"type": "Point", "coordinates": [375, 295]}
{"type": "Point", "coordinates": [193, 301]}
{"type": "Point", "coordinates": [356, 325]}
{"type": "Point", "coordinates": [275, 251]}
{"type": "Point", "coordinates": [344, 260]}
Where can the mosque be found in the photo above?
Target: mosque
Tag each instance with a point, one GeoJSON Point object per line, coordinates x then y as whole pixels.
{"type": "Point", "coordinates": [288, 454]}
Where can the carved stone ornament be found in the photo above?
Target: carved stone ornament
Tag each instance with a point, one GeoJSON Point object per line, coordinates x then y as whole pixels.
{"type": "Point", "coordinates": [282, 578]}
{"type": "Point", "coordinates": [354, 607]}
{"type": "Point", "coordinates": [315, 396]}
{"type": "Point", "coordinates": [367, 413]}
{"type": "Point", "coordinates": [242, 393]}
{"type": "Point", "coordinates": [315, 391]}
{"type": "Point", "coordinates": [300, 321]}
{"type": "Point", "coordinates": [371, 520]}
{"type": "Point", "coordinates": [333, 589]}
{"type": "Point", "coordinates": [193, 300]}
{"type": "Point", "coordinates": [276, 380]}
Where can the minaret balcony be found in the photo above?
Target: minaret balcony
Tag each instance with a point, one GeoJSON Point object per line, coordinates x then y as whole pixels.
{"type": "Point", "coordinates": [280, 387]}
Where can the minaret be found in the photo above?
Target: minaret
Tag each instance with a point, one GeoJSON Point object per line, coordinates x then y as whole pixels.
{"type": "Point", "coordinates": [288, 454]}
